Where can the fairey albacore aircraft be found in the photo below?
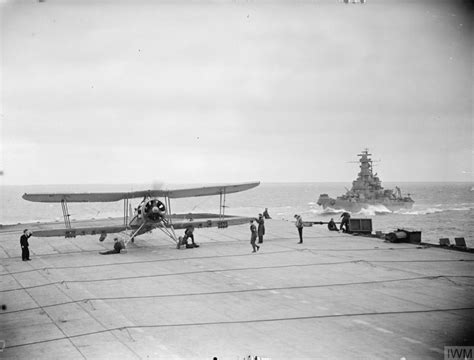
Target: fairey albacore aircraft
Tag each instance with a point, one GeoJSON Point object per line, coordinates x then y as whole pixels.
{"type": "Point", "coordinates": [150, 214]}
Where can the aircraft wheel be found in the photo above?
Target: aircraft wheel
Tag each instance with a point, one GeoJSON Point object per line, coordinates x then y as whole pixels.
{"type": "Point", "coordinates": [132, 240]}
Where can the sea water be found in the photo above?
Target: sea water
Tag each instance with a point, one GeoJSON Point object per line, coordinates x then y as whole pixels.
{"type": "Point", "coordinates": [440, 209]}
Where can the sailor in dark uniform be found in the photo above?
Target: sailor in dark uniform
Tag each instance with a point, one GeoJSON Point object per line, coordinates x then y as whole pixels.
{"type": "Point", "coordinates": [189, 234]}
{"type": "Point", "coordinates": [253, 236]}
{"type": "Point", "coordinates": [345, 221]}
{"type": "Point", "coordinates": [25, 252]}
{"type": "Point", "coordinates": [266, 215]}
{"type": "Point", "coordinates": [119, 245]}
{"type": "Point", "coordinates": [261, 228]}
{"type": "Point", "coordinates": [332, 225]}
{"type": "Point", "coordinates": [299, 225]}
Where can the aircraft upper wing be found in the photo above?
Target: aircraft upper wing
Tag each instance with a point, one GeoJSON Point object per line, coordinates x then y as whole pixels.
{"type": "Point", "coordinates": [75, 197]}
{"type": "Point", "coordinates": [210, 190]}
{"type": "Point", "coordinates": [116, 196]}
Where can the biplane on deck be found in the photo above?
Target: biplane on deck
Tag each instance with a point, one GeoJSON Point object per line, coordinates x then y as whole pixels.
{"type": "Point", "coordinates": [151, 213]}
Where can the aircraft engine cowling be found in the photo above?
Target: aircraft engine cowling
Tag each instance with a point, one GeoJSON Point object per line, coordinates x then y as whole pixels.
{"type": "Point", "coordinates": [154, 210]}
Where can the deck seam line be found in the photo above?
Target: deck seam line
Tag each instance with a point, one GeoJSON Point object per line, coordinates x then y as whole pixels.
{"type": "Point", "coordinates": [84, 300]}
{"type": "Point", "coordinates": [246, 322]}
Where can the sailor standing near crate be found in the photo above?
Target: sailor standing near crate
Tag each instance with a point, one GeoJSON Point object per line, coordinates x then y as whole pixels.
{"type": "Point", "coordinates": [345, 221]}
{"type": "Point", "coordinates": [299, 226]}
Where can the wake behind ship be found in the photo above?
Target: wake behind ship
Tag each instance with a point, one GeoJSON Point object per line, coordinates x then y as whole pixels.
{"type": "Point", "coordinates": [367, 191]}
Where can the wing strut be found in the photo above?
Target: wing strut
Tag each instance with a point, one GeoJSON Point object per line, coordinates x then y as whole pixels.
{"type": "Point", "coordinates": [168, 207]}
{"type": "Point", "coordinates": [67, 221]}
{"type": "Point", "coordinates": [125, 212]}
{"type": "Point", "coordinates": [136, 231]}
{"type": "Point", "coordinates": [222, 204]}
{"type": "Point", "coordinates": [170, 232]}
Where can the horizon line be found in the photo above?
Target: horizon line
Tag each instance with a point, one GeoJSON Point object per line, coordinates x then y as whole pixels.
{"type": "Point", "coordinates": [236, 182]}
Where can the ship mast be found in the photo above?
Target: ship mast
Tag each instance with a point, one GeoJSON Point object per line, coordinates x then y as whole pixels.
{"type": "Point", "coordinates": [365, 165]}
{"type": "Point", "coordinates": [366, 182]}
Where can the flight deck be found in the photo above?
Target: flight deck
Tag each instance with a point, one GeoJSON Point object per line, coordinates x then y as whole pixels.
{"type": "Point", "coordinates": [334, 296]}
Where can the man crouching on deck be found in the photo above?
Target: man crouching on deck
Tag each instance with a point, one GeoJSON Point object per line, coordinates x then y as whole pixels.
{"type": "Point", "coordinates": [119, 245]}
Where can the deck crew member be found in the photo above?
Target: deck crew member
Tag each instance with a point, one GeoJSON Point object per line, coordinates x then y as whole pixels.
{"type": "Point", "coordinates": [119, 245]}
{"type": "Point", "coordinates": [299, 226]}
{"type": "Point", "coordinates": [189, 234]}
{"type": "Point", "coordinates": [266, 215]}
{"type": "Point", "coordinates": [332, 225]}
{"type": "Point", "coordinates": [253, 236]}
{"type": "Point", "coordinates": [345, 221]}
{"type": "Point", "coordinates": [25, 252]}
{"type": "Point", "coordinates": [261, 228]}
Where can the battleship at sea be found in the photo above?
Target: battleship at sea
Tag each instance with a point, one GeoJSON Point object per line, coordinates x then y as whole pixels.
{"type": "Point", "coordinates": [367, 191]}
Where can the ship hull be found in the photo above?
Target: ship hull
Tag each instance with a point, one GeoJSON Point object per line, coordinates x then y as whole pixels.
{"type": "Point", "coordinates": [356, 206]}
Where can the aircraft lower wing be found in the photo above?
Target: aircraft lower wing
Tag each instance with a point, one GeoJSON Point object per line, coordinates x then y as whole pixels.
{"type": "Point", "coordinates": [112, 226]}
{"type": "Point", "coordinates": [207, 220]}
{"type": "Point", "coordinates": [73, 232]}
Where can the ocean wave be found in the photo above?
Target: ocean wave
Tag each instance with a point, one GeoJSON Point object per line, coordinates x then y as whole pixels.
{"type": "Point", "coordinates": [461, 209]}
{"type": "Point", "coordinates": [432, 210]}
{"type": "Point", "coordinates": [369, 211]}
{"type": "Point", "coordinates": [374, 210]}
{"type": "Point", "coordinates": [331, 211]}
{"type": "Point", "coordinates": [317, 211]}
{"type": "Point", "coordinates": [420, 212]}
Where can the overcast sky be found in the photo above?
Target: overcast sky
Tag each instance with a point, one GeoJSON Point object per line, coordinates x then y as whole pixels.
{"type": "Point", "coordinates": [135, 91]}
